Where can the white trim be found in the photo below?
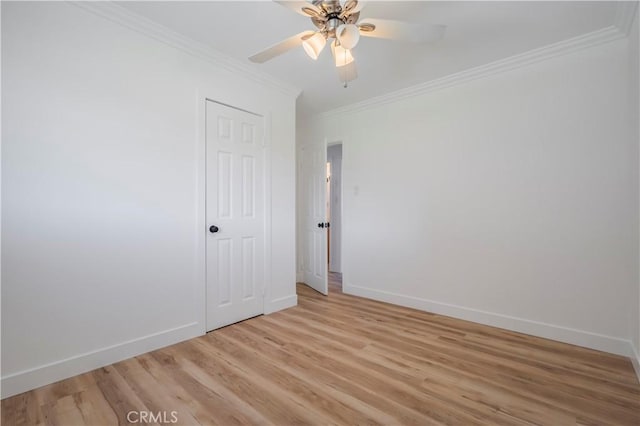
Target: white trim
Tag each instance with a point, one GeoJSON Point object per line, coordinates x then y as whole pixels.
{"type": "Point", "coordinates": [280, 304]}
{"type": "Point", "coordinates": [299, 276]}
{"type": "Point", "coordinates": [536, 55]}
{"type": "Point", "coordinates": [158, 32]}
{"type": "Point", "coordinates": [635, 360]}
{"type": "Point", "coordinates": [22, 381]}
{"type": "Point", "coordinates": [625, 15]}
{"type": "Point", "coordinates": [586, 339]}
{"type": "Point", "coordinates": [201, 211]}
{"type": "Point", "coordinates": [268, 208]}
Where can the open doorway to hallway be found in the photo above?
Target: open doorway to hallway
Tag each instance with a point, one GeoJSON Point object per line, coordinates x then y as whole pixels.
{"type": "Point", "coordinates": [335, 282]}
{"type": "Point", "coordinates": [334, 216]}
{"type": "Point", "coordinates": [320, 215]}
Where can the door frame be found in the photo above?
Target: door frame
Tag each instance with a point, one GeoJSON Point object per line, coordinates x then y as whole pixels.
{"type": "Point", "coordinates": [301, 241]}
{"type": "Point", "coordinates": [200, 296]}
{"type": "Point", "coordinates": [334, 143]}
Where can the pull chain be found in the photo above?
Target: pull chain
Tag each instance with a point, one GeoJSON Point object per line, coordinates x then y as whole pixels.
{"type": "Point", "coordinates": [344, 63]}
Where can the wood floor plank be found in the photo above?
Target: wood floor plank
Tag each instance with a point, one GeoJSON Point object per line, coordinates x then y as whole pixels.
{"type": "Point", "coordinates": [94, 408]}
{"type": "Point", "coordinates": [120, 397]}
{"type": "Point", "coordinates": [187, 393]}
{"type": "Point", "coordinates": [350, 409]}
{"type": "Point", "coordinates": [282, 389]}
{"type": "Point", "coordinates": [342, 360]}
{"type": "Point", "coordinates": [328, 377]}
{"type": "Point", "coordinates": [390, 383]}
{"type": "Point", "coordinates": [217, 406]}
{"type": "Point", "coordinates": [310, 396]}
{"type": "Point", "coordinates": [278, 408]}
{"type": "Point", "coordinates": [486, 356]}
{"type": "Point", "coordinates": [143, 384]}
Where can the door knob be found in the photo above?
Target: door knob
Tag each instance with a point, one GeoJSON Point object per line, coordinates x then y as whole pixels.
{"type": "Point", "coordinates": [321, 225]}
{"type": "Point", "coordinates": [213, 229]}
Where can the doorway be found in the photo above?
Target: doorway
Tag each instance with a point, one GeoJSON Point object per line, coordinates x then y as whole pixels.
{"type": "Point", "coordinates": [321, 218]}
{"type": "Point", "coordinates": [334, 215]}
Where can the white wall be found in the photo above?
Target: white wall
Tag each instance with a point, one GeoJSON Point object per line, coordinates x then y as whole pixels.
{"type": "Point", "coordinates": [506, 200]}
{"type": "Point", "coordinates": [101, 178]}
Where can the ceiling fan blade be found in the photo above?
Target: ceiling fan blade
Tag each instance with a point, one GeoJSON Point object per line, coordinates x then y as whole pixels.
{"type": "Point", "coordinates": [352, 6]}
{"type": "Point", "coordinates": [304, 8]}
{"type": "Point", "coordinates": [280, 48]}
{"type": "Point", "coordinates": [401, 31]}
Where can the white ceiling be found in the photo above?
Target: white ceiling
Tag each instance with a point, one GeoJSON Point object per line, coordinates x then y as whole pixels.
{"type": "Point", "coordinates": [478, 32]}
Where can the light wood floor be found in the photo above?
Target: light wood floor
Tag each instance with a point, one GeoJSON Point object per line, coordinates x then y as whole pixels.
{"type": "Point", "coordinates": [346, 360]}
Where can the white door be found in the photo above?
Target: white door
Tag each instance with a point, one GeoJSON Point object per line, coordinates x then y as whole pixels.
{"type": "Point", "coordinates": [235, 215]}
{"type": "Point", "coordinates": [314, 169]}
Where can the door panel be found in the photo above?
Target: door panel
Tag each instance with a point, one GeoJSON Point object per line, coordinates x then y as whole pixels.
{"type": "Point", "coordinates": [224, 265]}
{"type": "Point", "coordinates": [235, 204]}
{"type": "Point", "coordinates": [315, 250]}
{"type": "Point", "coordinates": [248, 267]}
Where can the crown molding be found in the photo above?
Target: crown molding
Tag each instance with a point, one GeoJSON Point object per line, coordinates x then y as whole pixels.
{"type": "Point", "coordinates": [564, 47]}
{"type": "Point", "coordinates": [625, 15]}
{"type": "Point", "coordinates": [158, 32]}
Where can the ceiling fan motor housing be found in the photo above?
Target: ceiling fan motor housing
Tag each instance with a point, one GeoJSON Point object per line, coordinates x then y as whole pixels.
{"type": "Point", "coordinates": [331, 26]}
{"type": "Point", "coordinates": [332, 17]}
{"type": "Point", "coordinates": [329, 6]}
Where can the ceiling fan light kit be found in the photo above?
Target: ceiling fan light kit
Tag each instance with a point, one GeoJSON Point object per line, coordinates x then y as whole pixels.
{"type": "Point", "coordinates": [341, 55]}
{"type": "Point", "coordinates": [348, 35]}
{"type": "Point", "coordinates": [338, 20]}
{"type": "Point", "coordinates": [313, 45]}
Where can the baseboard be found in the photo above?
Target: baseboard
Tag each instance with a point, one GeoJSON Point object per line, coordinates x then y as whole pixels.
{"type": "Point", "coordinates": [280, 304]}
{"type": "Point", "coordinates": [22, 381]}
{"type": "Point", "coordinates": [26, 380]}
{"type": "Point", "coordinates": [635, 360]}
{"type": "Point", "coordinates": [549, 331]}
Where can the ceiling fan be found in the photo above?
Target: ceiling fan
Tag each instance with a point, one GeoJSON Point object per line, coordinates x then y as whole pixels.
{"type": "Point", "coordinates": [337, 22]}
